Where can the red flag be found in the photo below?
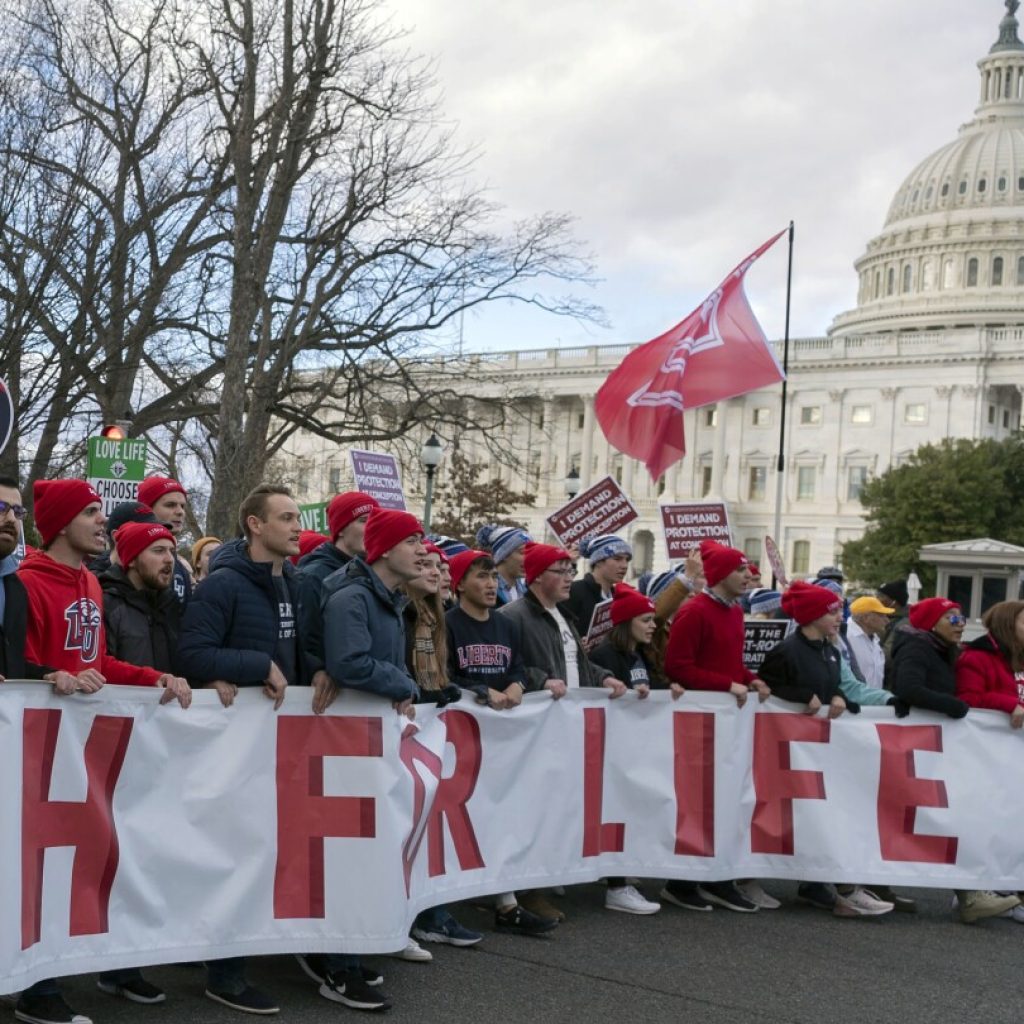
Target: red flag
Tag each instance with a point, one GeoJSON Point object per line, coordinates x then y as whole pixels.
{"type": "Point", "coordinates": [719, 351]}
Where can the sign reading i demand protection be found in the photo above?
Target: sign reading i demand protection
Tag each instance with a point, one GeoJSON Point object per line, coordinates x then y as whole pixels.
{"type": "Point", "coordinates": [686, 526]}
{"type": "Point", "coordinates": [378, 475]}
{"type": "Point", "coordinates": [603, 508]}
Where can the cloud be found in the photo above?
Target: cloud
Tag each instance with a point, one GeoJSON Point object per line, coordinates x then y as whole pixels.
{"type": "Point", "coordinates": [681, 135]}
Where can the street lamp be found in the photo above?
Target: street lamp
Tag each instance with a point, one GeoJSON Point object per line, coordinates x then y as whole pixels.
{"type": "Point", "coordinates": [572, 482]}
{"type": "Point", "coordinates": [430, 455]}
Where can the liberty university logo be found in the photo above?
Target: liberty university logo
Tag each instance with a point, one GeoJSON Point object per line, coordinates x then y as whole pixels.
{"type": "Point", "coordinates": [84, 619]}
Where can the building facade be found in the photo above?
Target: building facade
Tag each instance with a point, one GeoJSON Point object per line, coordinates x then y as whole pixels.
{"type": "Point", "coordinates": [934, 349]}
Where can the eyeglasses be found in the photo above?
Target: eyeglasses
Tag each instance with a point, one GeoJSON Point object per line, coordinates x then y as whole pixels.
{"type": "Point", "coordinates": [957, 620]}
{"type": "Point", "coordinates": [19, 510]}
{"type": "Point", "coordinates": [567, 573]}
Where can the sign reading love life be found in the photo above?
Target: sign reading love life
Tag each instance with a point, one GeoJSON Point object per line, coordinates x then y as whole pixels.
{"type": "Point", "coordinates": [116, 468]}
{"type": "Point", "coordinates": [133, 833]}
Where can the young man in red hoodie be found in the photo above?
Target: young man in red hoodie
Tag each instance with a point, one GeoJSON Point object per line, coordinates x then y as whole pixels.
{"type": "Point", "coordinates": [65, 622]}
{"type": "Point", "coordinates": [705, 652]}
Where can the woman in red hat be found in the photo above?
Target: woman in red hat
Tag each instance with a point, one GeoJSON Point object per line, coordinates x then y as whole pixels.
{"type": "Point", "coordinates": [990, 672]}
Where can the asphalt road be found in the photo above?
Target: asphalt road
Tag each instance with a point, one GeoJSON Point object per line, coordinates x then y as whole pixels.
{"type": "Point", "coordinates": [795, 965]}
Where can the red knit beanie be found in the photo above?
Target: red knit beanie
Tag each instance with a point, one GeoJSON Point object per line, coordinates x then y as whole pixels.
{"type": "Point", "coordinates": [540, 557]}
{"type": "Point", "coordinates": [628, 603]}
{"type": "Point", "coordinates": [309, 540]}
{"type": "Point", "coordinates": [133, 538]}
{"type": "Point", "coordinates": [56, 502]}
{"type": "Point", "coordinates": [806, 602]}
{"type": "Point", "coordinates": [153, 488]}
{"type": "Point", "coordinates": [385, 528]}
{"type": "Point", "coordinates": [926, 613]}
{"type": "Point", "coordinates": [347, 508]}
{"type": "Point", "coordinates": [433, 549]}
{"type": "Point", "coordinates": [460, 565]}
{"type": "Point", "coordinates": [719, 561]}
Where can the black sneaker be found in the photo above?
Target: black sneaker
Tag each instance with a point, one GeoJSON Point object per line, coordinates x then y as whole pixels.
{"type": "Point", "coordinates": [249, 1000]}
{"type": "Point", "coordinates": [817, 894]}
{"type": "Point", "coordinates": [312, 965]}
{"type": "Point", "coordinates": [51, 1009]}
{"type": "Point", "coordinates": [136, 989]}
{"type": "Point", "coordinates": [725, 894]}
{"type": "Point", "coordinates": [686, 895]}
{"type": "Point", "coordinates": [351, 990]}
{"type": "Point", "coordinates": [519, 920]}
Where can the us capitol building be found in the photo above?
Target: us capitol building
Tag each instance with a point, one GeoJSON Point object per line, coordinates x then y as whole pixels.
{"type": "Point", "coordinates": [933, 349]}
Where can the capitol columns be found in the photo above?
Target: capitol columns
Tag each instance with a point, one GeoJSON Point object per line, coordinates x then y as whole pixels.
{"type": "Point", "coordinates": [587, 449]}
{"type": "Point", "coordinates": [549, 457]}
{"type": "Point", "coordinates": [718, 452]}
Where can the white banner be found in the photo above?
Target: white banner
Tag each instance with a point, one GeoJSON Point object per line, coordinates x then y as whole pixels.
{"type": "Point", "coordinates": [136, 834]}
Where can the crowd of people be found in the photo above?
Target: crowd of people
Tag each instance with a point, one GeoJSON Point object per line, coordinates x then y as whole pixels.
{"type": "Point", "coordinates": [378, 606]}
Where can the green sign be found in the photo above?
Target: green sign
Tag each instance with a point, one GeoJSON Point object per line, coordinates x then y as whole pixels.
{"type": "Point", "coordinates": [116, 468]}
{"type": "Point", "coordinates": [314, 517]}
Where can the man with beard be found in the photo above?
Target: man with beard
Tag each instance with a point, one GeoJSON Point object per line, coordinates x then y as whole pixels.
{"type": "Point", "coordinates": [169, 502]}
{"type": "Point", "coordinates": [139, 607]}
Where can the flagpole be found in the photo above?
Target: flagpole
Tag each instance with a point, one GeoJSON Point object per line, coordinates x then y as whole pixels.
{"type": "Point", "coordinates": [780, 477]}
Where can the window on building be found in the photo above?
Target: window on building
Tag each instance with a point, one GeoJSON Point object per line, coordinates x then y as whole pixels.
{"type": "Point", "coordinates": [805, 476]}
{"type": "Point", "coordinates": [616, 467]}
{"type": "Point", "coordinates": [856, 477]}
{"type": "Point", "coordinates": [1001, 184]}
{"type": "Point", "coordinates": [945, 188]}
{"type": "Point", "coordinates": [862, 414]}
{"type": "Point", "coordinates": [890, 282]}
{"type": "Point", "coordinates": [752, 548]}
{"type": "Point", "coordinates": [908, 273]}
{"type": "Point", "coordinates": [962, 188]}
{"type": "Point", "coordinates": [928, 276]}
{"type": "Point", "coordinates": [762, 416]}
{"type": "Point", "coordinates": [757, 483]}
{"type": "Point", "coordinates": [1020, 270]}
{"type": "Point", "coordinates": [948, 268]}
{"type": "Point", "coordinates": [810, 415]}
{"type": "Point", "coordinates": [1006, 419]}
{"type": "Point", "coordinates": [711, 416]}
{"type": "Point", "coordinates": [579, 422]}
{"type": "Point", "coordinates": [915, 412]}
{"type": "Point", "coordinates": [661, 485]}
{"type": "Point", "coordinates": [961, 590]}
{"type": "Point", "coordinates": [705, 480]}
{"type": "Point", "coordinates": [878, 282]}
{"type": "Point", "coordinates": [801, 557]}
{"type": "Point", "coordinates": [972, 272]}
{"type": "Point", "coordinates": [997, 271]}
{"type": "Point", "coordinates": [982, 184]}
{"type": "Point", "coordinates": [993, 590]}
{"type": "Point", "coordinates": [334, 479]}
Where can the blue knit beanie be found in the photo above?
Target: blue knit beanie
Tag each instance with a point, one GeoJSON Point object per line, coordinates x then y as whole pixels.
{"type": "Point", "coordinates": [764, 600]}
{"type": "Point", "coordinates": [607, 545]}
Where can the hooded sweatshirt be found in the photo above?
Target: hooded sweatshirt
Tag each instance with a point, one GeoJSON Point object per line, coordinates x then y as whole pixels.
{"type": "Point", "coordinates": [65, 622]}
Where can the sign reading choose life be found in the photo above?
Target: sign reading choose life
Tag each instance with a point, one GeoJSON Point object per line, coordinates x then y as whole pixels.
{"type": "Point", "coordinates": [603, 508]}
{"type": "Point", "coordinates": [116, 468]}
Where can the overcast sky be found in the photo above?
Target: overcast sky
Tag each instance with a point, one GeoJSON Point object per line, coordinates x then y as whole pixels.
{"type": "Point", "coordinates": [683, 133]}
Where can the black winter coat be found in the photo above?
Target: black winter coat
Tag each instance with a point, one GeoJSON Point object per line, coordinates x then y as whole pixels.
{"type": "Point", "coordinates": [923, 673]}
{"type": "Point", "coordinates": [584, 596]}
{"type": "Point", "coordinates": [314, 568]}
{"type": "Point", "coordinates": [230, 626]}
{"type": "Point", "coordinates": [12, 648]}
{"type": "Point", "coordinates": [142, 625]}
{"type": "Point", "coordinates": [798, 669]}
{"type": "Point", "coordinates": [620, 664]}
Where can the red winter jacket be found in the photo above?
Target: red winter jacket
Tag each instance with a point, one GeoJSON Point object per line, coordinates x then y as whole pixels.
{"type": "Point", "coordinates": [705, 645]}
{"type": "Point", "coordinates": [984, 678]}
{"type": "Point", "coordinates": [65, 622]}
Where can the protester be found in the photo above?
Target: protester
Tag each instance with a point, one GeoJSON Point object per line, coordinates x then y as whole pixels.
{"type": "Point", "coordinates": [669, 591]}
{"type": "Point", "coordinates": [807, 668]}
{"type": "Point", "coordinates": [869, 619]}
{"type": "Point", "coordinates": [925, 653]}
{"type": "Point", "coordinates": [444, 567]}
{"type": "Point", "coordinates": [507, 547]}
{"type": "Point", "coordinates": [140, 610]}
{"type": "Point", "coordinates": [347, 515]}
{"type": "Point", "coordinates": [705, 652]}
{"type": "Point", "coordinates": [124, 512]}
{"type": "Point", "coordinates": [895, 595]}
{"type": "Point", "coordinates": [609, 558]}
{"type": "Point", "coordinates": [765, 604]}
{"type": "Point", "coordinates": [553, 651]}
{"type": "Point", "coordinates": [627, 654]}
{"type": "Point", "coordinates": [169, 502]}
{"type": "Point", "coordinates": [309, 541]}
{"type": "Point", "coordinates": [42, 1002]}
{"type": "Point", "coordinates": [990, 672]}
{"type": "Point", "coordinates": [202, 551]}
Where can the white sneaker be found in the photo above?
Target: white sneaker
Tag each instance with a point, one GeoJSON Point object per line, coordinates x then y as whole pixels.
{"type": "Point", "coordinates": [627, 900]}
{"type": "Point", "coordinates": [860, 904]}
{"type": "Point", "coordinates": [751, 888]}
{"type": "Point", "coordinates": [1016, 914]}
{"type": "Point", "coordinates": [413, 951]}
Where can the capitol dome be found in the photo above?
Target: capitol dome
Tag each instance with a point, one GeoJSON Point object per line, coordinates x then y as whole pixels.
{"type": "Point", "coordinates": [951, 253]}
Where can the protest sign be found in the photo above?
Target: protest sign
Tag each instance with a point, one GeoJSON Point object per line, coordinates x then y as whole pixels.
{"type": "Point", "coordinates": [771, 550]}
{"type": "Point", "coordinates": [378, 475]}
{"type": "Point", "coordinates": [116, 468]}
{"type": "Point", "coordinates": [133, 833]}
{"type": "Point", "coordinates": [600, 622]}
{"type": "Point", "coordinates": [760, 636]}
{"type": "Point", "coordinates": [685, 526]}
{"type": "Point", "coordinates": [7, 414]}
{"type": "Point", "coordinates": [314, 517]}
{"type": "Point", "coordinates": [603, 508]}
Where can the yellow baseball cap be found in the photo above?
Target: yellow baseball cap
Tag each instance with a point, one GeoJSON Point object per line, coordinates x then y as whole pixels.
{"type": "Point", "coordinates": [870, 604]}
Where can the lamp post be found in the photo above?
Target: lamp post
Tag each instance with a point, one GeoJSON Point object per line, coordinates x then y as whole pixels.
{"type": "Point", "coordinates": [430, 455]}
{"type": "Point", "coordinates": [572, 482]}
